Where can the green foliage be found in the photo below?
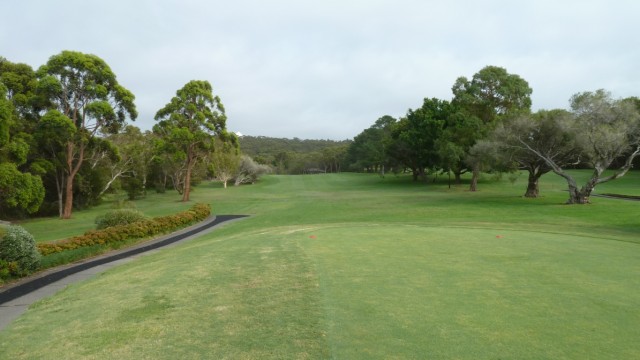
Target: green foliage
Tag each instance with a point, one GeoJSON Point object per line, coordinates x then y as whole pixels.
{"type": "Point", "coordinates": [19, 191]}
{"type": "Point", "coordinates": [120, 233]}
{"type": "Point", "coordinates": [188, 125]}
{"type": "Point", "coordinates": [119, 217]}
{"type": "Point", "coordinates": [82, 88]}
{"type": "Point", "coordinates": [291, 156]}
{"type": "Point", "coordinates": [18, 253]}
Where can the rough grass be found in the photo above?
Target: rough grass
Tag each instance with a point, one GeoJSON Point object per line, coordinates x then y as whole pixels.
{"type": "Point", "coordinates": [355, 266]}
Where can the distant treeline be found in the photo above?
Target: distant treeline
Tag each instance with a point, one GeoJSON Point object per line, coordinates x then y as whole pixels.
{"type": "Point", "coordinates": [296, 156]}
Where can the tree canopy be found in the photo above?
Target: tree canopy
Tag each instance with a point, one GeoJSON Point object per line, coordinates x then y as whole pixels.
{"type": "Point", "coordinates": [82, 88]}
{"type": "Point", "coordinates": [189, 123]}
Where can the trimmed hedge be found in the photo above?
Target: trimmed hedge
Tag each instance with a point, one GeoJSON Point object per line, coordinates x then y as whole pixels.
{"type": "Point", "coordinates": [137, 230]}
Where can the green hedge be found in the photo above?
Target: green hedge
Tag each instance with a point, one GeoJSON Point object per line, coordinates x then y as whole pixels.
{"type": "Point", "coordinates": [120, 233]}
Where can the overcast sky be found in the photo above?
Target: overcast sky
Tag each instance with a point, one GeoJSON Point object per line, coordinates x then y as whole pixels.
{"type": "Point", "coordinates": [328, 69]}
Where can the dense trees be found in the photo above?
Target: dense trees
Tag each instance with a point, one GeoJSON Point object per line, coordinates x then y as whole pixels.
{"type": "Point", "coordinates": [64, 140]}
{"type": "Point", "coordinates": [600, 130]}
{"type": "Point", "coordinates": [295, 156]}
{"type": "Point", "coordinates": [488, 125]}
{"type": "Point", "coordinates": [83, 92]}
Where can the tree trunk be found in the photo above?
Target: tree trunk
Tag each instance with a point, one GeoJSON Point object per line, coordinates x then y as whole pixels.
{"type": "Point", "coordinates": [578, 196]}
{"type": "Point", "coordinates": [72, 170]}
{"type": "Point", "coordinates": [187, 184]}
{"type": "Point", "coordinates": [457, 178]}
{"type": "Point", "coordinates": [533, 189]}
{"type": "Point", "coordinates": [474, 179]}
{"type": "Point", "coordinates": [68, 198]}
{"type": "Point", "coordinates": [59, 182]}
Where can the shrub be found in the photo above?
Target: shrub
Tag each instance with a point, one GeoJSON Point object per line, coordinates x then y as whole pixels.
{"type": "Point", "coordinates": [119, 217]}
{"type": "Point", "coordinates": [137, 230]}
{"type": "Point", "coordinates": [18, 252]}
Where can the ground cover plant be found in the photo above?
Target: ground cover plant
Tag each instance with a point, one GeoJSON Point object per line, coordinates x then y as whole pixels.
{"type": "Point", "coordinates": [358, 266]}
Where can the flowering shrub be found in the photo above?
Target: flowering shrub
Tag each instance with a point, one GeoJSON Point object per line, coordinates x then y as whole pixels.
{"type": "Point", "coordinates": [136, 230]}
{"type": "Point", "coordinates": [119, 217]}
{"type": "Point", "coordinates": [18, 253]}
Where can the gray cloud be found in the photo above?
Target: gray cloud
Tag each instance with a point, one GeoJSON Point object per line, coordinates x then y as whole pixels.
{"type": "Point", "coordinates": [329, 69]}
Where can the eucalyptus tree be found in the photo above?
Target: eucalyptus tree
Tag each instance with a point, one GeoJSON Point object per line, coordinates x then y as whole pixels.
{"type": "Point", "coordinates": [189, 124]}
{"type": "Point", "coordinates": [601, 131]}
{"type": "Point", "coordinates": [490, 95]}
{"type": "Point", "coordinates": [82, 88]}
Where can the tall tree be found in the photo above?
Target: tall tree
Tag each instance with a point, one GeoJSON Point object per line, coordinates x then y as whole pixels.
{"type": "Point", "coordinates": [489, 96]}
{"type": "Point", "coordinates": [83, 88]}
{"type": "Point", "coordinates": [601, 130]}
{"type": "Point", "coordinates": [189, 124]}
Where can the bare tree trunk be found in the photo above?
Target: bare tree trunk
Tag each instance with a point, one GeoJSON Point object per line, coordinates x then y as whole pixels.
{"type": "Point", "coordinates": [578, 196]}
{"type": "Point", "coordinates": [72, 170]}
{"type": "Point", "coordinates": [474, 179]}
{"type": "Point", "coordinates": [187, 184]}
{"type": "Point", "coordinates": [59, 182]}
{"type": "Point", "coordinates": [533, 189]}
{"type": "Point", "coordinates": [457, 177]}
{"type": "Point", "coordinates": [68, 198]}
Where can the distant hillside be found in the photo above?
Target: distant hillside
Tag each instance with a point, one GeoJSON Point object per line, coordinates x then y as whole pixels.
{"type": "Point", "coordinates": [262, 145]}
{"type": "Point", "coordinates": [293, 155]}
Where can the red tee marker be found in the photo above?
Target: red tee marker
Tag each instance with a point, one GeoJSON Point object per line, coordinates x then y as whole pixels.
{"type": "Point", "coordinates": [312, 237]}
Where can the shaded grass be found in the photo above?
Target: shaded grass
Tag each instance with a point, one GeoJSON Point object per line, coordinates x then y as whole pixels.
{"type": "Point", "coordinates": [356, 266]}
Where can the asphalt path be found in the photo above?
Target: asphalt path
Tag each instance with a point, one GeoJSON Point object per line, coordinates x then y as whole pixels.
{"type": "Point", "coordinates": [16, 298]}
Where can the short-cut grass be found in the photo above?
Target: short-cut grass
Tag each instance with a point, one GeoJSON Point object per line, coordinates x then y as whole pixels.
{"type": "Point", "coordinates": [354, 266]}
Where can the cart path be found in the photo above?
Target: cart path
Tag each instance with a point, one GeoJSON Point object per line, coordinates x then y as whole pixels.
{"type": "Point", "coordinates": [16, 298]}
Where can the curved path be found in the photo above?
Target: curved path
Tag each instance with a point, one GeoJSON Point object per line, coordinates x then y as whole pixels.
{"type": "Point", "coordinates": [16, 298]}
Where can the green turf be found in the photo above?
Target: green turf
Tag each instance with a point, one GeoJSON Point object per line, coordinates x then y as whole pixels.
{"type": "Point", "coordinates": [354, 266]}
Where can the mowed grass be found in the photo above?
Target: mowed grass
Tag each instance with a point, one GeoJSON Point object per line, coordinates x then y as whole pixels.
{"type": "Point", "coordinates": [354, 266]}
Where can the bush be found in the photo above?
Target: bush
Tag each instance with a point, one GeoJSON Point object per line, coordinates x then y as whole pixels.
{"type": "Point", "coordinates": [119, 233]}
{"type": "Point", "coordinates": [119, 217]}
{"type": "Point", "coordinates": [18, 252]}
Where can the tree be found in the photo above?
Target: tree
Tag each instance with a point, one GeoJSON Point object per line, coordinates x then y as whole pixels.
{"type": "Point", "coordinates": [19, 192]}
{"type": "Point", "coordinates": [83, 88]}
{"type": "Point", "coordinates": [137, 150]}
{"type": "Point", "coordinates": [370, 149]}
{"type": "Point", "coordinates": [249, 171]}
{"type": "Point", "coordinates": [489, 96]}
{"type": "Point", "coordinates": [541, 130]}
{"type": "Point", "coordinates": [189, 123]}
{"type": "Point", "coordinates": [600, 131]}
{"type": "Point", "coordinates": [416, 135]}
{"type": "Point", "coordinates": [225, 160]}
